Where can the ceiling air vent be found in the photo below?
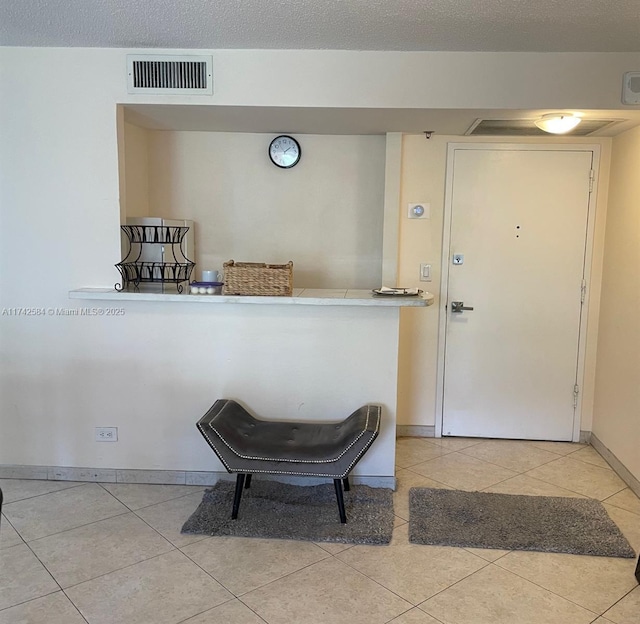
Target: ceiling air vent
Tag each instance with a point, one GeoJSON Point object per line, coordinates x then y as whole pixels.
{"type": "Point", "coordinates": [186, 75]}
{"type": "Point", "coordinates": [527, 127]}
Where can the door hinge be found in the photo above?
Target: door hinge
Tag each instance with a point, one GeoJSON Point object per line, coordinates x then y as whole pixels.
{"type": "Point", "coordinates": [592, 177]}
{"type": "Point", "coordinates": [576, 392]}
{"type": "Point", "coordinates": [583, 291]}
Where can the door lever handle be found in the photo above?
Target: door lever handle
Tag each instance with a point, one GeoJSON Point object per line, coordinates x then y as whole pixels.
{"type": "Point", "coordinates": [457, 307]}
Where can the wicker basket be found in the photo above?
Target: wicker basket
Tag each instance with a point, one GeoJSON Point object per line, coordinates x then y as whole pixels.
{"type": "Point", "coordinates": [257, 278]}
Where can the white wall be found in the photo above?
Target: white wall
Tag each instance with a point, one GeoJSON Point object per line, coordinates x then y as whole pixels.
{"type": "Point", "coordinates": [616, 420]}
{"type": "Point", "coordinates": [60, 216]}
{"type": "Point", "coordinates": [325, 213]}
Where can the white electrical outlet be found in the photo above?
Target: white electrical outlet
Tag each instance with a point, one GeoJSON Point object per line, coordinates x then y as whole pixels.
{"type": "Point", "coordinates": [106, 434]}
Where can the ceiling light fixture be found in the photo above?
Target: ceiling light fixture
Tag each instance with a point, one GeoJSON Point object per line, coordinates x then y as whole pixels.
{"type": "Point", "coordinates": [558, 123]}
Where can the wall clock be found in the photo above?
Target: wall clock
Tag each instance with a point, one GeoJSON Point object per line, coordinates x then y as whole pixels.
{"type": "Point", "coordinates": [284, 151]}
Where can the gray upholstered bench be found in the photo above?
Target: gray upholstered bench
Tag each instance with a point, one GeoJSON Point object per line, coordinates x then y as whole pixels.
{"type": "Point", "coordinates": [247, 445]}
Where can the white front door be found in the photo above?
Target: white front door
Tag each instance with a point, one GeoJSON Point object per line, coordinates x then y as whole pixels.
{"type": "Point", "coordinates": [516, 256]}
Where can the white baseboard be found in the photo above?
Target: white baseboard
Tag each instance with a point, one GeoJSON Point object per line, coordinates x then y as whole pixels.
{"type": "Point", "coordinates": [428, 431]}
{"type": "Point", "coordinates": [415, 431]}
{"type": "Point", "coordinates": [170, 477]}
{"type": "Point", "coordinates": [585, 437]}
{"type": "Point", "coordinates": [616, 464]}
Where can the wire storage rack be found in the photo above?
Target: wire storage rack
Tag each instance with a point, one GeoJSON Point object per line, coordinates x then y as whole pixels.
{"type": "Point", "coordinates": [135, 270]}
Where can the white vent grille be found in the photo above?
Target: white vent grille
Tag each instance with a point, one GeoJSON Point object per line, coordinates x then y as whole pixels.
{"type": "Point", "coordinates": [154, 74]}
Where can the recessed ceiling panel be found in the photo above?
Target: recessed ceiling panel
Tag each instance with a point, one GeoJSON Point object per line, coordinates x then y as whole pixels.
{"type": "Point", "coordinates": [527, 127]}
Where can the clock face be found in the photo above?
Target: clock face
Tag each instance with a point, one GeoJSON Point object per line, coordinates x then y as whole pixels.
{"type": "Point", "coordinates": [284, 151]}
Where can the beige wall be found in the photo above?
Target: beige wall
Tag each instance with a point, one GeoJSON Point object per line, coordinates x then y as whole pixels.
{"type": "Point", "coordinates": [423, 179]}
{"type": "Point", "coordinates": [136, 171]}
{"type": "Point", "coordinates": [325, 214]}
{"type": "Point", "coordinates": [616, 419]}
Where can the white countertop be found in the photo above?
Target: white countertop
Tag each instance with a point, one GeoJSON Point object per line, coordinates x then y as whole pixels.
{"type": "Point", "coordinates": [301, 296]}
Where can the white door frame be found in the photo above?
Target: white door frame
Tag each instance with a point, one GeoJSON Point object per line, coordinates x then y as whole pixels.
{"type": "Point", "coordinates": [444, 274]}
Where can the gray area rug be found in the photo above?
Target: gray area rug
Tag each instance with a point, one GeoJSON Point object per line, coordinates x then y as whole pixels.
{"type": "Point", "coordinates": [279, 510]}
{"type": "Point", "coordinates": [579, 526]}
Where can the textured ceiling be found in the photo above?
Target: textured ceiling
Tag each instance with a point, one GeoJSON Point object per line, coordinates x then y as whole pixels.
{"type": "Point", "coordinates": [463, 25]}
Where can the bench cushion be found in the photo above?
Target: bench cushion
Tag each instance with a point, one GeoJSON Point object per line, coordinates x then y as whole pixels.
{"type": "Point", "coordinates": [247, 444]}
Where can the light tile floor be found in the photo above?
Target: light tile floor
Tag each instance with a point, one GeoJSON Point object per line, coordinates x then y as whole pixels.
{"type": "Point", "coordinates": [73, 553]}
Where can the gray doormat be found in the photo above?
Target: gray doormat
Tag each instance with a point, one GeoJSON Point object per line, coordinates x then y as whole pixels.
{"type": "Point", "coordinates": [580, 526]}
{"type": "Point", "coordinates": [279, 510]}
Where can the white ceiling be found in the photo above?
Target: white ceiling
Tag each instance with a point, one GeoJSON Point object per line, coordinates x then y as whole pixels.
{"type": "Point", "coordinates": [463, 25]}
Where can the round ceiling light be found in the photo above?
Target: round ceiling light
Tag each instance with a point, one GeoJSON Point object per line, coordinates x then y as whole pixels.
{"type": "Point", "coordinates": [558, 123]}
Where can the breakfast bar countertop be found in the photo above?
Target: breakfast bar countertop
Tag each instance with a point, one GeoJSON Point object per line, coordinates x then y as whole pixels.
{"type": "Point", "coordinates": [301, 296]}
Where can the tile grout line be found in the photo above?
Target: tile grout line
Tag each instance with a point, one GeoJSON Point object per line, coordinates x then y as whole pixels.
{"type": "Point", "coordinates": [619, 600]}
{"type": "Point", "coordinates": [130, 565]}
{"type": "Point", "coordinates": [487, 564]}
{"type": "Point", "coordinates": [239, 597]}
{"type": "Point", "coordinates": [7, 521]}
{"type": "Point", "coordinates": [553, 592]}
{"type": "Point", "coordinates": [80, 526]}
{"type": "Point", "coordinates": [220, 605]}
{"type": "Point", "coordinates": [207, 572]}
{"type": "Point", "coordinates": [380, 584]}
{"type": "Point", "coordinates": [75, 607]}
{"type": "Point", "coordinates": [570, 490]}
{"type": "Point", "coordinates": [152, 504]}
{"type": "Point", "coordinates": [53, 578]}
{"type": "Point", "coordinates": [606, 500]}
{"type": "Point", "coordinates": [405, 599]}
{"type": "Point", "coordinates": [175, 546]}
{"type": "Point", "coordinates": [493, 563]}
{"type": "Point", "coordinates": [329, 556]}
{"type": "Point", "coordinates": [64, 589]}
{"type": "Point", "coordinates": [447, 486]}
{"type": "Point", "coordinates": [24, 602]}
{"type": "Point", "coordinates": [519, 472]}
{"type": "Point", "coordinates": [6, 503]}
{"type": "Point", "coordinates": [411, 609]}
{"type": "Point", "coordinates": [250, 609]}
{"type": "Point", "coordinates": [72, 528]}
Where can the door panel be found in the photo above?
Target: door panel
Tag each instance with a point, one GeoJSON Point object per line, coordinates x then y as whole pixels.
{"type": "Point", "coordinates": [519, 218]}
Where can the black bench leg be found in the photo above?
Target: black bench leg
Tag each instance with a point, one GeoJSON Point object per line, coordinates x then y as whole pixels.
{"type": "Point", "coordinates": [238, 496]}
{"type": "Point", "coordinates": [338, 485]}
{"type": "Point", "coordinates": [247, 483]}
{"type": "Point", "coordinates": [345, 483]}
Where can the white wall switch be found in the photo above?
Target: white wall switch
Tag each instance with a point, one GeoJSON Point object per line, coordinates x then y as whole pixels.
{"type": "Point", "coordinates": [425, 272]}
{"type": "Point", "coordinates": [421, 210]}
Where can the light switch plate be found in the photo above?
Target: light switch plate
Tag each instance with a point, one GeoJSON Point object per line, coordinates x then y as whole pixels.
{"type": "Point", "coordinates": [425, 272]}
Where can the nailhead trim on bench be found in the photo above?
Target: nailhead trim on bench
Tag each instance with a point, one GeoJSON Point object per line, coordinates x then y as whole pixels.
{"type": "Point", "coordinates": [301, 461]}
{"type": "Point", "coordinates": [294, 473]}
